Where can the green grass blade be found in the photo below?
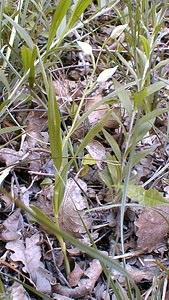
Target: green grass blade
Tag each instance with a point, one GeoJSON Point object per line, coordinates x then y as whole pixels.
{"type": "Point", "coordinates": [92, 133]}
{"type": "Point", "coordinates": [4, 80]}
{"type": "Point", "coordinates": [9, 129]}
{"type": "Point", "coordinates": [21, 31]}
{"type": "Point", "coordinates": [78, 11]}
{"type": "Point", "coordinates": [60, 13]}
{"type": "Point", "coordinates": [124, 97]}
{"type": "Point", "coordinates": [41, 218]}
{"type": "Point", "coordinates": [54, 126]}
{"type": "Point", "coordinates": [112, 142]}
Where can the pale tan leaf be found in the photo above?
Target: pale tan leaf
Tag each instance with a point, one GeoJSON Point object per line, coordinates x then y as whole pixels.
{"type": "Point", "coordinates": [75, 275]}
{"type": "Point", "coordinates": [10, 156]}
{"type": "Point", "coordinates": [85, 286]}
{"type": "Point", "coordinates": [18, 292]}
{"type": "Point", "coordinates": [152, 228]}
{"type": "Point", "coordinates": [140, 274]}
{"type": "Point", "coordinates": [97, 151]}
{"type": "Point", "coordinates": [73, 208]}
{"type": "Point", "coordinates": [98, 114]}
{"type": "Point", "coordinates": [92, 274]}
{"type": "Point", "coordinates": [29, 253]}
{"type": "Point", "coordinates": [9, 228]}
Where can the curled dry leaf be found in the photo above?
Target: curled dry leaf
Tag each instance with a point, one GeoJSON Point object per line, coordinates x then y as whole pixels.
{"type": "Point", "coordinates": [140, 274]}
{"type": "Point", "coordinates": [85, 286]}
{"type": "Point", "coordinates": [97, 152]}
{"type": "Point", "coordinates": [29, 253]}
{"type": "Point", "coordinates": [73, 207]}
{"type": "Point", "coordinates": [152, 228]}
{"type": "Point", "coordinates": [9, 228]}
{"type": "Point", "coordinates": [98, 114]}
{"type": "Point", "coordinates": [75, 275]}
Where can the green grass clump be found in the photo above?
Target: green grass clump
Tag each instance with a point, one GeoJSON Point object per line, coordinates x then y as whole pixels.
{"type": "Point", "coordinates": [34, 37]}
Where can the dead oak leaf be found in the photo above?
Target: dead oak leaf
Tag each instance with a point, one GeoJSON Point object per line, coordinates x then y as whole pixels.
{"type": "Point", "coordinates": [75, 275]}
{"type": "Point", "coordinates": [29, 253]}
{"type": "Point", "coordinates": [85, 286]}
{"type": "Point", "coordinates": [73, 207]}
{"type": "Point", "coordinates": [152, 228]}
{"type": "Point", "coordinates": [9, 228]}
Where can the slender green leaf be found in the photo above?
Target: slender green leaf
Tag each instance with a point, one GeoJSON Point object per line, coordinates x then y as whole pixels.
{"type": "Point", "coordinates": [114, 168]}
{"type": "Point", "coordinates": [33, 290]}
{"type": "Point", "coordinates": [118, 30]}
{"type": "Point", "coordinates": [144, 128]}
{"type": "Point", "coordinates": [54, 126]}
{"type": "Point", "coordinates": [139, 97]}
{"type": "Point", "coordinates": [153, 114]}
{"type": "Point", "coordinates": [21, 31]}
{"type": "Point", "coordinates": [106, 178]}
{"type": "Point", "coordinates": [137, 157]}
{"type": "Point", "coordinates": [112, 142]}
{"type": "Point", "coordinates": [41, 218]}
{"type": "Point", "coordinates": [9, 129]}
{"type": "Point", "coordinates": [161, 64]}
{"type": "Point", "coordinates": [4, 80]}
{"type": "Point", "coordinates": [77, 12]}
{"type": "Point", "coordinates": [146, 46]}
{"type": "Point", "coordinates": [91, 134]}
{"type": "Point", "coordinates": [26, 55]}
{"type": "Point", "coordinates": [28, 59]}
{"type": "Point", "coordinates": [123, 97]}
{"type": "Point", "coordinates": [60, 13]}
{"type": "Point", "coordinates": [155, 87]}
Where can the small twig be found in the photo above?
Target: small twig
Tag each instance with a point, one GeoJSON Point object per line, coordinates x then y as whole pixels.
{"type": "Point", "coordinates": [41, 174]}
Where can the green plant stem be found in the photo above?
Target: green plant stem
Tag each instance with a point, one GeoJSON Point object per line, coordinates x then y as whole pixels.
{"type": "Point", "coordinates": [126, 181]}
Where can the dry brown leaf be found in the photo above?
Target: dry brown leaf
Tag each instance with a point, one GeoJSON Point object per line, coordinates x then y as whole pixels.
{"type": "Point", "coordinates": [36, 122]}
{"type": "Point", "coordinates": [86, 285]}
{"type": "Point", "coordinates": [30, 254]}
{"type": "Point", "coordinates": [73, 208]}
{"type": "Point", "coordinates": [45, 200]}
{"type": "Point", "coordinates": [97, 152]}
{"type": "Point", "coordinates": [10, 156]}
{"type": "Point", "coordinates": [152, 228]}
{"type": "Point", "coordinates": [9, 228]}
{"type": "Point", "coordinates": [18, 292]}
{"type": "Point", "coordinates": [75, 275]}
{"type": "Point", "coordinates": [140, 274]}
{"type": "Point", "coordinates": [67, 89]}
{"type": "Point", "coordinates": [98, 114]}
{"type": "Point", "coordinates": [93, 273]}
